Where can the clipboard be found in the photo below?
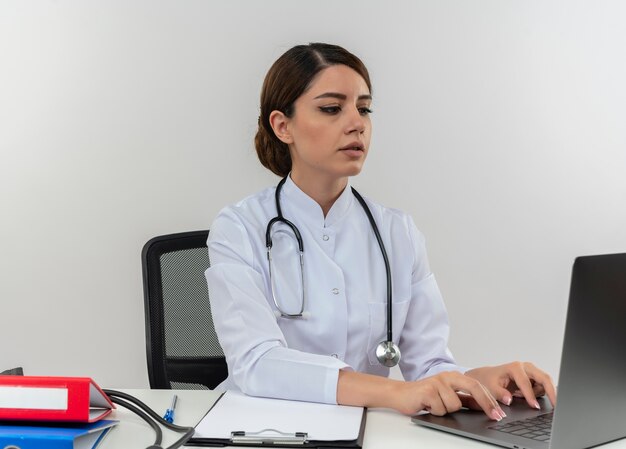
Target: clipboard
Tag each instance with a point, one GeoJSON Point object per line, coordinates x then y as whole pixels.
{"type": "Point", "coordinates": [239, 420]}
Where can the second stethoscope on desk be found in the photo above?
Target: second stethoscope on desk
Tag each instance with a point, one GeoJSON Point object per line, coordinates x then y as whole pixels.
{"type": "Point", "coordinates": [387, 352]}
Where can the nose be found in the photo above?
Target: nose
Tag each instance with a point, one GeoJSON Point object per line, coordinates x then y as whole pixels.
{"type": "Point", "coordinates": [356, 122]}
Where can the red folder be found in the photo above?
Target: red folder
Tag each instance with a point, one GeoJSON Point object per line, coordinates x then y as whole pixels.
{"type": "Point", "coordinates": [69, 399]}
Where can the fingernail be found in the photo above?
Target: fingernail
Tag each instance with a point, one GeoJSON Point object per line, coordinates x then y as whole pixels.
{"type": "Point", "coordinates": [536, 405]}
{"type": "Point", "coordinates": [507, 400]}
{"type": "Point", "coordinates": [501, 412]}
{"type": "Point", "coordinates": [495, 415]}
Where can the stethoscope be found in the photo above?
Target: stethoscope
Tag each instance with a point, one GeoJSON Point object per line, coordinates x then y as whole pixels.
{"type": "Point", "coordinates": [387, 352]}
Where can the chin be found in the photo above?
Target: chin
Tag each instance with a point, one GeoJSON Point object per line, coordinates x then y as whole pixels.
{"type": "Point", "coordinates": [355, 169]}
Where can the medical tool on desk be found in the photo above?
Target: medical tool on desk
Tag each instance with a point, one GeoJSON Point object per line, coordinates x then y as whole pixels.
{"type": "Point", "coordinates": [169, 413]}
{"type": "Point", "coordinates": [387, 352]}
{"type": "Point", "coordinates": [151, 417]}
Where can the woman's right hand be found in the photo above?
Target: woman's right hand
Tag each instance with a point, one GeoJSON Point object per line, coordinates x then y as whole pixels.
{"type": "Point", "coordinates": [444, 393]}
{"type": "Point", "coordinates": [440, 394]}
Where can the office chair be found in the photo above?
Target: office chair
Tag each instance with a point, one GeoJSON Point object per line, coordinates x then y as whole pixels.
{"type": "Point", "coordinates": [182, 348]}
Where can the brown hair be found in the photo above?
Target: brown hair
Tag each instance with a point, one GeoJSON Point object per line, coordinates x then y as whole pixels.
{"type": "Point", "coordinates": [287, 79]}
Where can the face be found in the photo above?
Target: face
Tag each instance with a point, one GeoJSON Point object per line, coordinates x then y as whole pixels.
{"type": "Point", "coordinates": [329, 132]}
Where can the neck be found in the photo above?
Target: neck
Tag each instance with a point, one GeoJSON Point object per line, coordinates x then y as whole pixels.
{"type": "Point", "coordinates": [324, 192]}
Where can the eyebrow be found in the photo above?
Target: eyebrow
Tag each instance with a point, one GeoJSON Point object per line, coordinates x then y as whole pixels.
{"type": "Point", "coordinates": [341, 96]}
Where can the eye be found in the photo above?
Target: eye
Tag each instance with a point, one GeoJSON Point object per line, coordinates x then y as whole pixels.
{"type": "Point", "coordinates": [330, 109]}
{"type": "Point", "coordinates": [365, 111]}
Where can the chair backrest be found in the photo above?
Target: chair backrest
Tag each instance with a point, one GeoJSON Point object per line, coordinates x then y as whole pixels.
{"type": "Point", "coordinates": [182, 347]}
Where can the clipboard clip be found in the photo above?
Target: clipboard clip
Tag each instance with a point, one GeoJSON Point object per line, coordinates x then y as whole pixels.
{"type": "Point", "coordinates": [268, 437]}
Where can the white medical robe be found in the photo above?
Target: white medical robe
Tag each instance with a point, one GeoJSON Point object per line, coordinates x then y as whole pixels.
{"type": "Point", "coordinates": [345, 294]}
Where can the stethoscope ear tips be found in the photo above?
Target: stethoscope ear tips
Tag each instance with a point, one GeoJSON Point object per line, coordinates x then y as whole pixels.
{"type": "Point", "coordinates": [388, 353]}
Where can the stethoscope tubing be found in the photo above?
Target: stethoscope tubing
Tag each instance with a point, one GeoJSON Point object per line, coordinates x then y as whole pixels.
{"type": "Point", "coordinates": [268, 244]}
{"type": "Point", "coordinates": [385, 259]}
{"type": "Point", "coordinates": [281, 219]}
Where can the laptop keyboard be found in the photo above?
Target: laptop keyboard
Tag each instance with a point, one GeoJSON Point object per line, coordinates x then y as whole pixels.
{"type": "Point", "coordinates": [537, 428]}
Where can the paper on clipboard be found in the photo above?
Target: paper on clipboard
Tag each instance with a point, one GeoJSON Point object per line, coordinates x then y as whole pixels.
{"type": "Point", "coordinates": [237, 412]}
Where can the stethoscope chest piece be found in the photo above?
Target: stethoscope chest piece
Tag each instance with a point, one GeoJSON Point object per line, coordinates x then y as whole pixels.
{"type": "Point", "coordinates": [388, 353]}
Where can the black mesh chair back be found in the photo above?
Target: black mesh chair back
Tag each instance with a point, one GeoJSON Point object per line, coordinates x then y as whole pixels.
{"type": "Point", "coordinates": [182, 347]}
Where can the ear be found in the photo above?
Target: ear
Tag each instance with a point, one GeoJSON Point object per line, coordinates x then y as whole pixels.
{"type": "Point", "coordinates": [280, 125]}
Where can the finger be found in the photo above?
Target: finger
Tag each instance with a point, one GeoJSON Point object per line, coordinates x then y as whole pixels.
{"type": "Point", "coordinates": [468, 401]}
{"type": "Point", "coordinates": [502, 414]}
{"type": "Point", "coordinates": [435, 406]}
{"type": "Point", "coordinates": [503, 395]}
{"type": "Point", "coordinates": [449, 398]}
{"type": "Point", "coordinates": [520, 377]}
{"type": "Point", "coordinates": [480, 394]}
{"type": "Point", "coordinates": [543, 383]}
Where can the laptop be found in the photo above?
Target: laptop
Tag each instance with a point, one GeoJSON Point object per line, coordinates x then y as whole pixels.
{"type": "Point", "coordinates": [591, 408]}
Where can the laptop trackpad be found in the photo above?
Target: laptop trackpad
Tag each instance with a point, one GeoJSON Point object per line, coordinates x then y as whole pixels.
{"type": "Point", "coordinates": [476, 425]}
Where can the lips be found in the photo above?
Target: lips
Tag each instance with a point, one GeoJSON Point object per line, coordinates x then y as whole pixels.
{"type": "Point", "coordinates": [353, 146]}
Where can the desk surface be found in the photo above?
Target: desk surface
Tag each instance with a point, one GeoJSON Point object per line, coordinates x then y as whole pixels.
{"type": "Point", "coordinates": [384, 429]}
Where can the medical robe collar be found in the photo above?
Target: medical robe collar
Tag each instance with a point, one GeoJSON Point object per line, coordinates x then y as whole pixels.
{"type": "Point", "coordinates": [296, 203]}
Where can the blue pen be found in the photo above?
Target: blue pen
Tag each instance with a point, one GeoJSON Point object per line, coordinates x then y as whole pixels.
{"type": "Point", "coordinates": [169, 413]}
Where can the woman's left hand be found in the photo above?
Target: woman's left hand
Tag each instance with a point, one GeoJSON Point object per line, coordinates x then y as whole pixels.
{"type": "Point", "coordinates": [519, 379]}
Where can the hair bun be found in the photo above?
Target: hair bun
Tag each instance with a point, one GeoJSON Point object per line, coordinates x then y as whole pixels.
{"type": "Point", "coordinates": [273, 154]}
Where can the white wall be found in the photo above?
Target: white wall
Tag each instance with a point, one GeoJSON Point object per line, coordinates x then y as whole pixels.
{"type": "Point", "coordinates": [499, 125]}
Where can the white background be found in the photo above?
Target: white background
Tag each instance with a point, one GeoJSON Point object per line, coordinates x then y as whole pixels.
{"type": "Point", "coordinates": [499, 125]}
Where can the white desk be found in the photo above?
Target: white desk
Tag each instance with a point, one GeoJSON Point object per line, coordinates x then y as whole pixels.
{"type": "Point", "coordinates": [133, 432]}
{"type": "Point", "coordinates": [384, 429]}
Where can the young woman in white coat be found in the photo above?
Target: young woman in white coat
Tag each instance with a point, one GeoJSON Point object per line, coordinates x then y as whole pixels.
{"type": "Point", "coordinates": [313, 325]}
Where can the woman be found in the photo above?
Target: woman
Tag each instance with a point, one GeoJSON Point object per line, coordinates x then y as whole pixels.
{"type": "Point", "coordinates": [312, 331]}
